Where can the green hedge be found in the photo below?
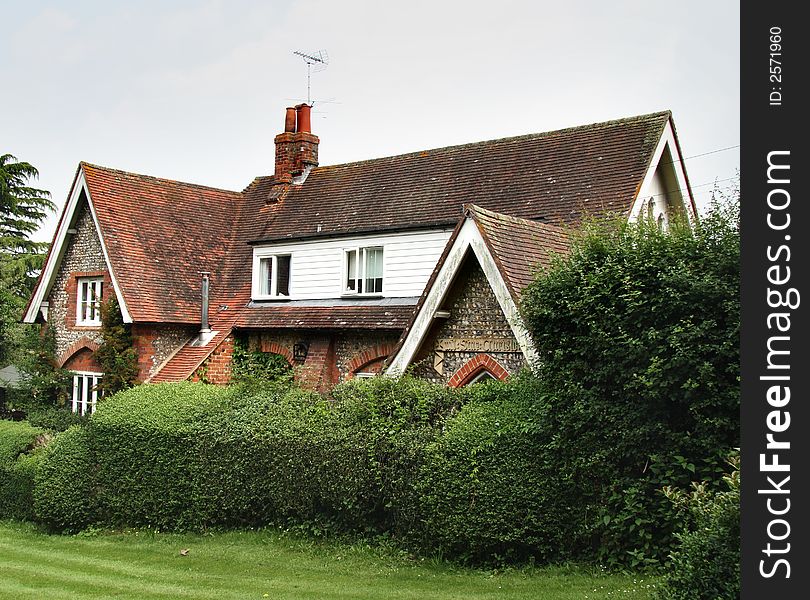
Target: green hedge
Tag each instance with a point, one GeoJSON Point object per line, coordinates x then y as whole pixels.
{"type": "Point", "coordinates": [19, 456]}
{"type": "Point", "coordinates": [64, 484]}
{"type": "Point", "coordinates": [190, 456]}
{"type": "Point", "coordinates": [706, 564]}
{"type": "Point", "coordinates": [473, 474]}
{"type": "Point", "coordinates": [146, 444]}
{"type": "Point", "coordinates": [490, 489]}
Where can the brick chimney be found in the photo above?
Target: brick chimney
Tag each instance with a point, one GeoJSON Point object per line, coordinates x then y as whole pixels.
{"type": "Point", "coordinates": [296, 148]}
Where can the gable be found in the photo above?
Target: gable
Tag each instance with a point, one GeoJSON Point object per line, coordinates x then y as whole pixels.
{"type": "Point", "coordinates": [472, 323]}
{"type": "Point", "coordinates": [79, 200]}
{"type": "Point", "coordinates": [665, 189]}
{"type": "Point", "coordinates": [466, 239]}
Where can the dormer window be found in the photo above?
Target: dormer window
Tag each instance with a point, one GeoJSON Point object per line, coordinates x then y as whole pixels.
{"type": "Point", "coordinates": [88, 301]}
{"type": "Point", "coordinates": [363, 271]}
{"type": "Point", "coordinates": [274, 276]}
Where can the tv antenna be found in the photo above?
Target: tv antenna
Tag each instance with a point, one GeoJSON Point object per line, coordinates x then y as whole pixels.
{"type": "Point", "coordinates": [319, 60]}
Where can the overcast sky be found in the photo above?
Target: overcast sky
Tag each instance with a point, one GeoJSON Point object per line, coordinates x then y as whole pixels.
{"type": "Point", "coordinates": [196, 90]}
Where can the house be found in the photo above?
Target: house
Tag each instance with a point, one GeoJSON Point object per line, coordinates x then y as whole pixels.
{"type": "Point", "coordinates": [405, 262]}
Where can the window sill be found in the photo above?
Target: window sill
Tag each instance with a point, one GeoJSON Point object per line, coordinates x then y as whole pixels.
{"type": "Point", "coordinates": [362, 296]}
{"type": "Point", "coordinates": [271, 299]}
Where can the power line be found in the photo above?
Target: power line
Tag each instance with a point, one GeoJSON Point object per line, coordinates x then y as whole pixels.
{"type": "Point", "coordinates": [692, 187]}
{"type": "Point", "coordinates": [672, 162]}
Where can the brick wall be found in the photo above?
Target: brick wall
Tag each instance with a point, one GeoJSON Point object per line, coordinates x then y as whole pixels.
{"type": "Point", "coordinates": [332, 356]}
{"type": "Point", "coordinates": [474, 314]}
{"type": "Point", "coordinates": [83, 360]}
{"type": "Point", "coordinates": [155, 343]}
{"type": "Point", "coordinates": [216, 368]}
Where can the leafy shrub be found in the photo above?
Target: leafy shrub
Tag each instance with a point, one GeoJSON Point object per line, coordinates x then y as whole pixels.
{"type": "Point", "coordinates": [490, 489]}
{"type": "Point", "coordinates": [16, 437]}
{"type": "Point", "coordinates": [638, 336]}
{"type": "Point", "coordinates": [251, 366]}
{"type": "Point", "coordinates": [706, 565]}
{"type": "Point", "coordinates": [54, 419]}
{"type": "Point", "coordinates": [144, 442]}
{"type": "Point", "coordinates": [116, 355]}
{"type": "Point", "coordinates": [64, 493]}
{"type": "Point", "coordinates": [19, 444]}
{"type": "Point", "coordinates": [641, 517]}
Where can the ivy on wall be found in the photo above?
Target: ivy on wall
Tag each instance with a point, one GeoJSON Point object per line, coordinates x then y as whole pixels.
{"type": "Point", "coordinates": [250, 365]}
{"type": "Point", "coordinates": [116, 356]}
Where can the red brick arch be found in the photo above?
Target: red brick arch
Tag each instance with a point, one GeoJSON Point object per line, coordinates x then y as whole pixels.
{"type": "Point", "coordinates": [275, 348]}
{"type": "Point", "coordinates": [376, 352]}
{"type": "Point", "coordinates": [474, 367]}
{"type": "Point", "coordinates": [76, 347]}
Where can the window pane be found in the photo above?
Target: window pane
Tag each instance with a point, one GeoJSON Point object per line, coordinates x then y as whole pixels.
{"type": "Point", "coordinates": [95, 307]}
{"type": "Point", "coordinates": [77, 393]}
{"type": "Point", "coordinates": [265, 276]}
{"type": "Point", "coordinates": [85, 298]}
{"type": "Point", "coordinates": [374, 270]}
{"type": "Point", "coordinates": [283, 275]}
{"type": "Point", "coordinates": [351, 270]}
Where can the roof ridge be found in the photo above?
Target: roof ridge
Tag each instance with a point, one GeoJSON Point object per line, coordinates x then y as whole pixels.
{"type": "Point", "coordinates": [514, 138]}
{"type": "Point", "coordinates": [84, 163]}
{"type": "Point", "coordinates": [474, 209]}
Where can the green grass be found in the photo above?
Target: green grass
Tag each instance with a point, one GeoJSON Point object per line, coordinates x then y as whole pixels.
{"type": "Point", "coordinates": [266, 564]}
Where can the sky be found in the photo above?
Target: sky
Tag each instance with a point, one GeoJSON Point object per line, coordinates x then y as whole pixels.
{"type": "Point", "coordinates": [196, 90]}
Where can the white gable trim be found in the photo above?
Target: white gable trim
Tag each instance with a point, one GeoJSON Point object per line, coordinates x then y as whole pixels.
{"type": "Point", "coordinates": [468, 237]}
{"type": "Point", "coordinates": [51, 267]}
{"type": "Point", "coordinates": [667, 141]}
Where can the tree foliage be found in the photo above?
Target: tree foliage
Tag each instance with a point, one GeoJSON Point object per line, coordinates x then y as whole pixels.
{"type": "Point", "coordinates": [22, 208]}
{"type": "Point", "coordinates": [638, 334]}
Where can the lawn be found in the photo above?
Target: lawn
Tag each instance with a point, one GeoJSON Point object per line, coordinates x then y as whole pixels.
{"type": "Point", "coordinates": [266, 564]}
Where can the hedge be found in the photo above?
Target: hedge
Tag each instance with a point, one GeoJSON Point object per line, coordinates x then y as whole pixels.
{"type": "Point", "coordinates": [64, 483]}
{"type": "Point", "coordinates": [190, 456]}
{"type": "Point", "coordinates": [19, 457]}
{"type": "Point", "coordinates": [473, 474]}
{"type": "Point", "coordinates": [490, 489]}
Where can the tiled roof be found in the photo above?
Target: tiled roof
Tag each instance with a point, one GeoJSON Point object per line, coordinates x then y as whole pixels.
{"type": "Point", "coordinates": [519, 246]}
{"type": "Point", "coordinates": [185, 361]}
{"type": "Point", "coordinates": [555, 177]}
{"type": "Point", "coordinates": [358, 316]}
{"type": "Point", "coordinates": [159, 235]}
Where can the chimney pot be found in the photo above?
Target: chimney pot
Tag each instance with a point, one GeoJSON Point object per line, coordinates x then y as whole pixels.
{"type": "Point", "coordinates": [296, 146]}
{"type": "Point", "coordinates": [303, 117]}
{"type": "Point", "coordinates": [289, 120]}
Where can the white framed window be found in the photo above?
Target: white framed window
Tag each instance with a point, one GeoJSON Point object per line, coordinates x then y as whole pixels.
{"type": "Point", "coordinates": [363, 270]}
{"type": "Point", "coordinates": [85, 395]}
{"type": "Point", "coordinates": [274, 276]}
{"type": "Point", "coordinates": [88, 301]}
{"type": "Point", "coordinates": [365, 375]}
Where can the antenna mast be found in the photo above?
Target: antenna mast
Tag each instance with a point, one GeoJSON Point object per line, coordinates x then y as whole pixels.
{"type": "Point", "coordinates": [320, 59]}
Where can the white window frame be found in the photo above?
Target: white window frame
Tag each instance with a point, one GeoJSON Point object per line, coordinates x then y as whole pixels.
{"type": "Point", "coordinates": [84, 403]}
{"type": "Point", "coordinates": [88, 310]}
{"type": "Point", "coordinates": [361, 270]}
{"type": "Point", "coordinates": [257, 286]}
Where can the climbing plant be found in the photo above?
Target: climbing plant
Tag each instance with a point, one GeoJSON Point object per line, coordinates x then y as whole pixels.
{"type": "Point", "coordinates": [115, 356]}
